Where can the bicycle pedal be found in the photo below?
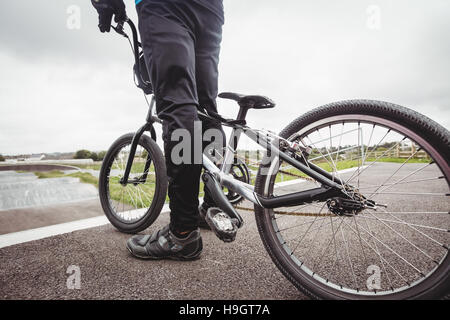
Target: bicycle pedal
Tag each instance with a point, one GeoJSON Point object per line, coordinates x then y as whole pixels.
{"type": "Point", "coordinates": [223, 226]}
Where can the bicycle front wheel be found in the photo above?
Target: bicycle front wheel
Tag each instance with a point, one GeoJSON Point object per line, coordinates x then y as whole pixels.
{"type": "Point", "coordinates": [381, 152]}
{"type": "Point", "coordinates": [133, 207]}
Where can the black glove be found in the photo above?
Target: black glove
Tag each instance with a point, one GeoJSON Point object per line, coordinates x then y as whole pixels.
{"type": "Point", "coordinates": [106, 9]}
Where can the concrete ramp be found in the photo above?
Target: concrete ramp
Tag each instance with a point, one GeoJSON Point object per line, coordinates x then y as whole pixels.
{"type": "Point", "coordinates": [23, 190]}
{"type": "Point", "coordinates": [13, 176]}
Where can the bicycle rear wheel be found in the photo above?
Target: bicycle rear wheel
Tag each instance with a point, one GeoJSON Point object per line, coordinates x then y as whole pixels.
{"type": "Point", "coordinates": [135, 206]}
{"type": "Point", "coordinates": [388, 154]}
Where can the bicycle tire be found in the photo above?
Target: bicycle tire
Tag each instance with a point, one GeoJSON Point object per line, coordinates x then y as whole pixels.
{"type": "Point", "coordinates": [436, 286]}
{"type": "Point", "coordinates": [159, 195]}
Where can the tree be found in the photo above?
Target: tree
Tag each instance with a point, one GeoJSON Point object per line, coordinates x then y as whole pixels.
{"type": "Point", "coordinates": [94, 156]}
{"type": "Point", "coordinates": [82, 154]}
{"type": "Point", "coordinates": [2, 158]}
{"type": "Point", "coordinates": [101, 155]}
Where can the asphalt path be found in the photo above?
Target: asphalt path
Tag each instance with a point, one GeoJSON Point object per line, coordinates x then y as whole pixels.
{"type": "Point", "coordinates": [240, 270]}
{"type": "Point", "coordinates": [15, 220]}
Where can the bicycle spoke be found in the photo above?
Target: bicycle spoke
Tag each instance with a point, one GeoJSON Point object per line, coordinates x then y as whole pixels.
{"type": "Point", "coordinates": [393, 251]}
{"type": "Point", "coordinates": [128, 200]}
{"type": "Point", "coordinates": [374, 148]}
{"type": "Point", "coordinates": [404, 223]}
{"type": "Point", "coordinates": [340, 141]}
{"type": "Point", "coordinates": [380, 256]}
{"type": "Point", "coordinates": [404, 238]}
{"type": "Point", "coordinates": [136, 193]}
{"type": "Point", "coordinates": [359, 146]}
{"type": "Point", "coordinates": [322, 140]}
{"type": "Point", "coordinates": [409, 158]}
{"type": "Point", "coordinates": [146, 196]}
{"type": "Point", "coordinates": [410, 174]}
{"type": "Point", "coordinates": [349, 259]}
{"type": "Point", "coordinates": [332, 240]}
{"type": "Point", "coordinates": [376, 159]}
{"type": "Point", "coordinates": [404, 182]}
{"type": "Point", "coordinates": [304, 235]}
{"type": "Point", "coordinates": [360, 240]}
{"type": "Point", "coordinates": [371, 160]}
{"type": "Point", "coordinates": [422, 233]}
{"type": "Point", "coordinates": [377, 251]}
{"type": "Point", "coordinates": [336, 152]}
{"type": "Point", "coordinates": [368, 144]}
{"type": "Point", "coordinates": [415, 193]}
{"type": "Point", "coordinates": [333, 165]}
{"type": "Point", "coordinates": [313, 240]}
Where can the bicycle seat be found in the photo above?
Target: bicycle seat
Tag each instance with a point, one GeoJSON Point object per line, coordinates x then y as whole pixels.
{"type": "Point", "coordinates": [248, 101]}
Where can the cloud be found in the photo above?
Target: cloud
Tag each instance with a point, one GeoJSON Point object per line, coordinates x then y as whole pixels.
{"type": "Point", "coordinates": [62, 90]}
{"type": "Point", "coordinates": [38, 29]}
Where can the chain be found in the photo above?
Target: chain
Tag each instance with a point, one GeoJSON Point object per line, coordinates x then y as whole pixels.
{"type": "Point", "coordinates": [302, 214]}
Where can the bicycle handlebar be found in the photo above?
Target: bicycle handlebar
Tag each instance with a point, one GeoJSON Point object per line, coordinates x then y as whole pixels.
{"type": "Point", "coordinates": [136, 44]}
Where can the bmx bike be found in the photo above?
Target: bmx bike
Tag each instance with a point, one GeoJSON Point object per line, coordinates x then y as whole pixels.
{"type": "Point", "coordinates": [351, 199]}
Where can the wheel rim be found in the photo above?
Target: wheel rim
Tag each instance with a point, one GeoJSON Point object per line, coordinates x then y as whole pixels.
{"type": "Point", "coordinates": [130, 204]}
{"type": "Point", "coordinates": [325, 247]}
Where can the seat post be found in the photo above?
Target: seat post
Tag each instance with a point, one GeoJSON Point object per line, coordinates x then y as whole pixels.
{"type": "Point", "coordinates": [242, 113]}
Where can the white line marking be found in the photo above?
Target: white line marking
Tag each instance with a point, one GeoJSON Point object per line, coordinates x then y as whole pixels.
{"type": "Point", "coordinates": [14, 238]}
{"type": "Point", "coordinates": [300, 180]}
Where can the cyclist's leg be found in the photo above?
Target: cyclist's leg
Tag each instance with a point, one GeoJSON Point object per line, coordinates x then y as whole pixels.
{"type": "Point", "coordinates": [207, 51]}
{"type": "Point", "coordinates": [170, 54]}
{"type": "Point", "coordinates": [218, 149]}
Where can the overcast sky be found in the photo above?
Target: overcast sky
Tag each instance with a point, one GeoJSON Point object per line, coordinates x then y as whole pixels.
{"type": "Point", "coordinates": [64, 89]}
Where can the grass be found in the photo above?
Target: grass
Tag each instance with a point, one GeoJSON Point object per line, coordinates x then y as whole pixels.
{"type": "Point", "coordinates": [341, 165]}
{"type": "Point", "coordinates": [139, 196]}
{"type": "Point", "coordinates": [399, 160]}
{"type": "Point", "coordinates": [83, 176]}
{"type": "Point", "coordinates": [346, 164]}
{"type": "Point", "coordinates": [49, 174]}
{"type": "Point", "coordinates": [94, 166]}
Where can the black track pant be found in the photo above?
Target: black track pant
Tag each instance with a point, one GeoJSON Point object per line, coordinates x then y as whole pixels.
{"type": "Point", "coordinates": [181, 42]}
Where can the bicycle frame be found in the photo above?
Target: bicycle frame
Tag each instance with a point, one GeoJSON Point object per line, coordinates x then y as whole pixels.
{"type": "Point", "coordinates": [331, 186]}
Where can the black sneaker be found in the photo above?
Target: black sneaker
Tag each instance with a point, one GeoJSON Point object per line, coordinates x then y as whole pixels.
{"type": "Point", "coordinates": [163, 244]}
{"type": "Point", "coordinates": [201, 219]}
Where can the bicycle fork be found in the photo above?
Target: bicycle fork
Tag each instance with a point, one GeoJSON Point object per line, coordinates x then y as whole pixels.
{"type": "Point", "coordinates": [148, 126]}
